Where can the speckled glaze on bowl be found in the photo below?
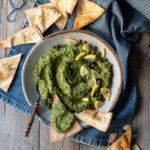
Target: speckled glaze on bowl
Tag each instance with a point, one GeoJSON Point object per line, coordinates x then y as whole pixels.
{"type": "Point", "coordinates": [44, 45]}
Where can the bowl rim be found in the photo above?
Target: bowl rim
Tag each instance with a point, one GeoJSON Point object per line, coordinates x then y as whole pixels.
{"type": "Point", "coordinates": [81, 31]}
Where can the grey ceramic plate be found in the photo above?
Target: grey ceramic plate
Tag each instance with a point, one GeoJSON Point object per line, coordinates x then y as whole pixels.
{"type": "Point", "coordinates": [40, 48]}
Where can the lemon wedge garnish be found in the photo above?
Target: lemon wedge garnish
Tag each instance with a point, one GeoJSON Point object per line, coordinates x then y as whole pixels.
{"type": "Point", "coordinates": [83, 71]}
{"type": "Point", "coordinates": [90, 57]}
{"type": "Point", "coordinates": [71, 41]}
{"type": "Point", "coordinates": [94, 89]}
{"type": "Point", "coordinates": [80, 56]}
{"type": "Point", "coordinates": [95, 74]}
{"type": "Point", "coordinates": [97, 104]}
{"type": "Point", "coordinates": [85, 99]}
{"type": "Point", "coordinates": [86, 47]}
{"type": "Point", "coordinates": [106, 93]}
{"type": "Point", "coordinates": [103, 52]}
{"type": "Point", "coordinates": [91, 82]}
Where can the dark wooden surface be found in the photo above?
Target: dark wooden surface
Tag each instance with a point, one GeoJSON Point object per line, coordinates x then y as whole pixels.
{"type": "Point", "coordinates": [12, 122]}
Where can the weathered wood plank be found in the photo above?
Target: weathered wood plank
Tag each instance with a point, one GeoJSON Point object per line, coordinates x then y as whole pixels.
{"type": "Point", "coordinates": [84, 147]}
{"type": "Point", "coordinates": [11, 132]}
{"type": "Point", "coordinates": [3, 22]}
{"type": "Point", "coordinates": [141, 121]}
{"type": "Point", "coordinates": [3, 11]}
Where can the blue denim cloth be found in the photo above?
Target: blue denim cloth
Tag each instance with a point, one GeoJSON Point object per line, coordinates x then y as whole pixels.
{"type": "Point", "coordinates": [120, 26]}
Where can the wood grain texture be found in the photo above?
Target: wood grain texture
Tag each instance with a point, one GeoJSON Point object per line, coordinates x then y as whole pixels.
{"type": "Point", "coordinates": [141, 121]}
{"type": "Point", "coordinates": [12, 122]}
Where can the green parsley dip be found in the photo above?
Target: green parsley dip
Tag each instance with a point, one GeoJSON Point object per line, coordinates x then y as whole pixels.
{"type": "Point", "coordinates": [78, 74]}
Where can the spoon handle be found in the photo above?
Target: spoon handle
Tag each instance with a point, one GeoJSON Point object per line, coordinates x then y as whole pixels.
{"type": "Point", "coordinates": [34, 111]}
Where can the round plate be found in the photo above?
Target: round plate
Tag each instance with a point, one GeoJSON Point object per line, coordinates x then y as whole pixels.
{"type": "Point", "coordinates": [44, 45]}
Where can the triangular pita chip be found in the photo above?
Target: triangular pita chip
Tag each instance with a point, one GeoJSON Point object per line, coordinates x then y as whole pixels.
{"type": "Point", "coordinates": [67, 5]}
{"type": "Point", "coordinates": [98, 120]}
{"type": "Point", "coordinates": [54, 135]}
{"type": "Point", "coordinates": [25, 36]}
{"type": "Point", "coordinates": [8, 67]}
{"type": "Point", "coordinates": [87, 12]}
{"type": "Point", "coordinates": [42, 17]}
{"type": "Point", "coordinates": [123, 143]}
{"type": "Point", "coordinates": [61, 22]}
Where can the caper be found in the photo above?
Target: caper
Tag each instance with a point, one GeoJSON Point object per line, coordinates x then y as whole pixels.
{"type": "Point", "coordinates": [83, 42]}
{"type": "Point", "coordinates": [97, 52]}
{"type": "Point", "coordinates": [93, 52]}
{"type": "Point", "coordinates": [92, 65]}
{"type": "Point", "coordinates": [80, 41]}
{"type": "Point", "coordinates": [95, 47]}
{"type": "Point", "coordinates": [98, 81]}
{"type": "Point", "coordinates": [96, 94]}
{"type": "Point", "coordinates": [96, 68]}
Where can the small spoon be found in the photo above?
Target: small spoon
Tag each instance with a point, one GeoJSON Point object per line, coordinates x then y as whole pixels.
{"type": "Point", "coordinates": [30, 122]}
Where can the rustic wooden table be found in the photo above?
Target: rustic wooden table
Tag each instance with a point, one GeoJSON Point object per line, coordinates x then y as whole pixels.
{"type": "Point", "coordinates": [12, 122]}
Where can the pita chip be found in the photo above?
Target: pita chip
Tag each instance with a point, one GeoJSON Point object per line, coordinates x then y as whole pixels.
{"type": "Point", "coordinates": [25, 36]}
{"type": "Point", "coordinates": [87, 12]}
{"type": "Point", "coordinates": [42, 17]}
{"type": "Point", "coordinates": [98, 120]}
{"type": "Point", "coordinates": [8, 67]}
{"type": "Point", "coordinates": [123, 143]}
{"type": "Point", "coordinates": [62, 21]}
{"type": "Point", "coordinates": [67, 5]}
{"type": "Point", "coordinates": [56, 136]}
{"type": "Point", "coordinates": [112, 137]}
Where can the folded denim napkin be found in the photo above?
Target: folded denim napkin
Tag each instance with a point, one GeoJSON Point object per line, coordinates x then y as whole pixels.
{"type": "Point", "coordinates": [120, 26]}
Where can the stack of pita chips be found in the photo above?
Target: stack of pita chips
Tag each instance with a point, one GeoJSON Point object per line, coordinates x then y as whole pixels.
{"type": "Point", "coordinates": [65, 7]}
{"type": "Point", "coordinates": [54, 135]}
{"type": "Point", "coordinates": [42, 17]}
{"type": "Point", "coordinates": [124, 142]}
{"type": "Point", "coordinates": [61, 21]}
{"type": "Point", "coordinates": [8, 67]}
{"type": "Point", "coordinates": [87, 12]}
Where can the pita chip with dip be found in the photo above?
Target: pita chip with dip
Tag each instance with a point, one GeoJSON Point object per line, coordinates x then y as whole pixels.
{"type": "Point", "coordinates": [96, 119]}
{"type": "Point", "coordinates": [61, 21]}
{"type": "Point", "coordinates": [42, 17]}
{"type": "Point", "coordinates": [8, 67]}
{"type": "Point", "coordinates": [123, 143]}
{"type": "Point", "coordinates": [56, 135]}
{"type": "Point", "coordinates": [26, 36]}
{"type": "Point", "coordinates": [87, 12]}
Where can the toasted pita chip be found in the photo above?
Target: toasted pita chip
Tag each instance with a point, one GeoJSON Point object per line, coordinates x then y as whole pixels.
{"type": "Point", "coordinates": [61, 22]}
{"type": "Point", "coordinates": [87, 12]}
{"type": "Point", "coordinates": [8, 67]}
{"type": "Point", "coordinates": [56, 136]}
{"type": "Point", "coordinates": [123, 143]}
{"type": "Point", "coordinates": [25, 36]}
{"type": "Point", "coordinates": [98, 120]}
{"type": "Point", "coordinates": [112, 137]}
{"type": "Point", "coordinates": [42, 17]}
{"type": "Point", "coordinates": [67, 5]}
{"type": "Point", "coordinates": [126, 127]}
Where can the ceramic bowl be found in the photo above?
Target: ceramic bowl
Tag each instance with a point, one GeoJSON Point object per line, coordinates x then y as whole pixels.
{"type": "Point", "coordinates": [44, 45]}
